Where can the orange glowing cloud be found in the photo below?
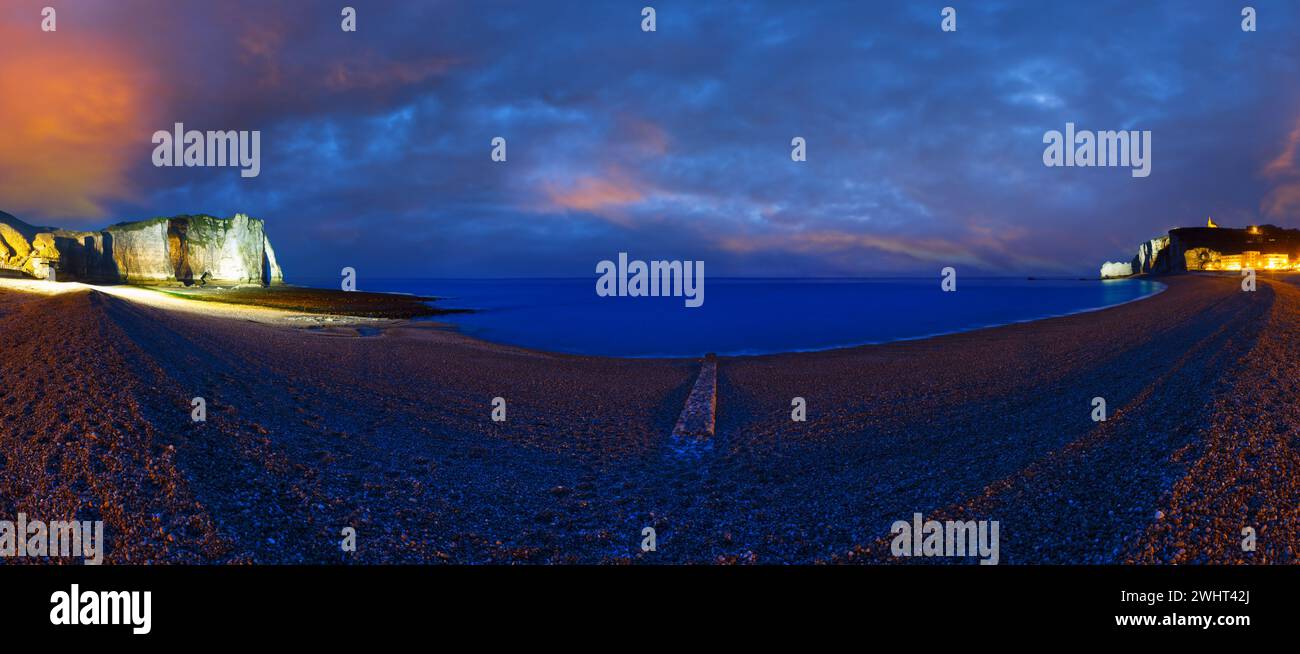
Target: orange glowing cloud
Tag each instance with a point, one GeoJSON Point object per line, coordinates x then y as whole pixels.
{"type": "Point", "coordinates": [604, 195]}
{"type": "Point", "coordinates": [72, 119]}
{"type": "Point", "coordinates": [593, 194]}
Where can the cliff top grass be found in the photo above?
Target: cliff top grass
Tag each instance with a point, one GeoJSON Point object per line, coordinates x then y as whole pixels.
{"type": "Point", "coordinates": [147, 222]}
{"type": "Point", "coordinates": [314, 300]}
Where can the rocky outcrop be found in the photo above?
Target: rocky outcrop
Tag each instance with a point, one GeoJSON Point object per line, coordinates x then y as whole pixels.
{"type": "Point", "coordinates": [1204, 248]}
{"type": "Point", "coordinates": [139, 252]}
{"type": "Point", "coordinates": [184, 249]}
{"type": "Point", "coordinates": [276, 275]}
{"type": "Point", "coordinates": [1149, 255]}
{"type": "Point", "coordinates": [25, 248]}
{"type": "Point", "coordinates": [1114, 269]}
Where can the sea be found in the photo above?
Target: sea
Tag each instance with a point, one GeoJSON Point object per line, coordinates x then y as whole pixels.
{"type": "Point", "coordinates": [742, 316]}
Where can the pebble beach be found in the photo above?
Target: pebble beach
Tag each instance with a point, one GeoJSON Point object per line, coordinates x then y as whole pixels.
{"type": "Point", "coordinates": [385, 425]}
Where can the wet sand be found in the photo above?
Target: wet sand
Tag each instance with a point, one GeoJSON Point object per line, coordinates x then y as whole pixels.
{"type": "Point", "coordinates": [388, 429]}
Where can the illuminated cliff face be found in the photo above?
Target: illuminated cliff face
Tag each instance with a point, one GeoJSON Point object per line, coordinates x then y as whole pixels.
{"type": "Point", "coordinates": [185, 249]}
{"type": "Point", "coordinates": [1258, 247]}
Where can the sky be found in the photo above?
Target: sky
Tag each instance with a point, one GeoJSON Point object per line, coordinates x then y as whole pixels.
{"type": "Point", "coordinates": [924, 148]}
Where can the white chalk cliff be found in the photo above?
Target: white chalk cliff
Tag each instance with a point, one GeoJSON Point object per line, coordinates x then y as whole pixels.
{"type": "Point", "coordinates": [184, 249]}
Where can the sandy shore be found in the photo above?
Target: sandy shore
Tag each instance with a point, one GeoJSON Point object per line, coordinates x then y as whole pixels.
{"type": "Point", "coordinates": [389, 431]}
{"type": "Point", "coordinates": [234, 303]}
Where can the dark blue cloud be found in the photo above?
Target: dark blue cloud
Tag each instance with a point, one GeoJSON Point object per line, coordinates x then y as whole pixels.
{"type": "Point", "coordinates": [924, 148]}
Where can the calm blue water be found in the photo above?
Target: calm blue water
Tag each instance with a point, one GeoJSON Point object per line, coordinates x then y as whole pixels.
{"type": "Point", "coordinates": [749, 316]}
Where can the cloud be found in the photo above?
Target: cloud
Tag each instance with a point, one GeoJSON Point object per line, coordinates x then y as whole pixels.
{"type": "Point", "coordinates": [924, 148]}
{"type": "Point", "coordinates": [369, 74]}
{"type": "Point", "coordinates": [594, 194]}
{"type": "Point", "coordinates": [75, 112]}
{"type": "Point", "coordinates": [831, 242]}
{"type": "Point", "coordinates": [1283, 201]}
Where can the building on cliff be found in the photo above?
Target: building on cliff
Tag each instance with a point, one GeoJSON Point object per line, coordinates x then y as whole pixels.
{"type": "Point", "coordinates": [180, 249]}
{"type": "Point", "coordinates": [1262, 247]}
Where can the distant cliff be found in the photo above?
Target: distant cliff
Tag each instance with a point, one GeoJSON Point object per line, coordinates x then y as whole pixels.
{"type": "Point", "coordinates": [185, 249]}
{"type": "Point", "coordinates": [1263, 247]}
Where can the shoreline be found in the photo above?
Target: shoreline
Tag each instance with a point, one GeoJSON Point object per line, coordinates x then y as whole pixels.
{"type": "Point", "coordinates": [950, 333]}
{"type": "Point", "coordinates": [838, 346]}
{"type": "Point", "coordinates": [394, 307]}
